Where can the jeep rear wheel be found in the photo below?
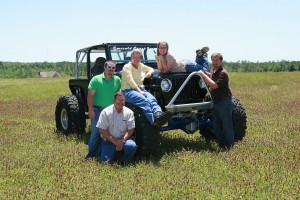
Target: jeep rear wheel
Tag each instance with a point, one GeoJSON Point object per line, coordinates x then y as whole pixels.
{"type": "Point", "coordinates": [147, 137]}
{"type": "Point", "coordinates": [239, 120]}
{"type": "Point", "coordinates": [69, 115]}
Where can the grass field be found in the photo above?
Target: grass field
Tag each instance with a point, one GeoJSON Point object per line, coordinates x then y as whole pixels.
{"type": "Point", "coordinates": [36, 163]}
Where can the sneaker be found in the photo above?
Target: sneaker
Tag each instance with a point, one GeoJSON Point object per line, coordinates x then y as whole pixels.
{"type": "Point", "coordinates": [201, 52]}
{"type": "Point", "coordinates": [157, 114]}
{"type": "Point", "coordinates": [162, 118]}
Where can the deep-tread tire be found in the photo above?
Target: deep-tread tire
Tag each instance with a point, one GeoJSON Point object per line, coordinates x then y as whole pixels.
{"type": "Point", "coordinates": [147, 137]}
{"type": "Point", "coordinates": [239, 119]}
{"type": "Point", "coordinates": [69, 115]}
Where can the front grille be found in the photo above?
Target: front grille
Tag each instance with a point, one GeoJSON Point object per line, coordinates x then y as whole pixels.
{"type": "Point", "coordinates": [191, 93]}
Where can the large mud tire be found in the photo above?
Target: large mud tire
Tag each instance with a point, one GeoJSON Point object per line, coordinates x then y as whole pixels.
{"type": "Point", "coordinates": [69, 115]}
{"type": "Point", "coordinates": [147, 137]}
{"type": "Point", "coordinates": [239, 119]}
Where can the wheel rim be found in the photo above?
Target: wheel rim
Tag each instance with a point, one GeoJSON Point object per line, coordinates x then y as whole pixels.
{"type": "Point", "coordinates": [64, 119]}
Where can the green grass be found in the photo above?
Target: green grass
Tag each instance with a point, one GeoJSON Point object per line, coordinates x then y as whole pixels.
{"type": "Point", "coordinates": [36, 163]}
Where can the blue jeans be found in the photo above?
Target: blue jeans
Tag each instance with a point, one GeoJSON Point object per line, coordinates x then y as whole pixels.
{"type": "Point", "coordinates": [198, 64]}
{"type": "Point", "coordinates": [109, 151]}
{"type": "Point", "coordinates": [95, 139]}
{"type": "Point", "coordinates": [148, 104]}
{"type": "Point", "coordinates": [222, 122]}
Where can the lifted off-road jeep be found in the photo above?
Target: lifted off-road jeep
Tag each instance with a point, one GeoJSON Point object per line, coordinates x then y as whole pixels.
{"type": "Point", "coordinates": [180, 93]}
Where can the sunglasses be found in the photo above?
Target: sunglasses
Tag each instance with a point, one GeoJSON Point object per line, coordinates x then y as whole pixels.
{"type": "Point", "coordinates": [110, 67]}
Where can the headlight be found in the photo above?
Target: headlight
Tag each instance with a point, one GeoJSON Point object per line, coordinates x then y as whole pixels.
{"type": "Point", "coordinates": [202, 84]}
{"type": "Point", "coordinates": [166, 85]}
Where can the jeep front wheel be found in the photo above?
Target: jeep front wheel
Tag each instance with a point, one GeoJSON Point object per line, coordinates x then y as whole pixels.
{"type": "Point", "coordinates": [239, 120]}
{"type": "Point", "coordinates": [147, 137]}
{"type": "Point", "coordinates": [69, 115]}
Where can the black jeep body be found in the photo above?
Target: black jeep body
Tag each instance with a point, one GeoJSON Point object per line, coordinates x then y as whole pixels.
{"type": "Point", "coordinates": [180, 93]}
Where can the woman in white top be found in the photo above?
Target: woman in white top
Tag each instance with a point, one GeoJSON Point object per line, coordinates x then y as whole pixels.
{"type": "Point", "coordinates": [166, 62]}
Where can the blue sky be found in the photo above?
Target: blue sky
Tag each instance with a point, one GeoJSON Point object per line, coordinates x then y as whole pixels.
{"type": "Point", "coordinates": [256, 30]}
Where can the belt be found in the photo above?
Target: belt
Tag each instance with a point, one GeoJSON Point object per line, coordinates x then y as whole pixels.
{"type": "Point", "coordinates": [220, 100]}
{"type": "Point", "coordinates": [97, 107]}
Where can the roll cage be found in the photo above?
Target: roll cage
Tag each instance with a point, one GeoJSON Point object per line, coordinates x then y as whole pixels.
{"type": "Point", "coordinates": [118, 52]}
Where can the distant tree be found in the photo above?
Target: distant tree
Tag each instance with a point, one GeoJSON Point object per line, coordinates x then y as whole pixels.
{"type": "Point", "coordinates": [64, 68]}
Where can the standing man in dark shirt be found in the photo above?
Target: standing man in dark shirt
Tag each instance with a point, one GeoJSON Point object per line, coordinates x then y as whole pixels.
{"type": "Point", "coordinates": [223, 106]}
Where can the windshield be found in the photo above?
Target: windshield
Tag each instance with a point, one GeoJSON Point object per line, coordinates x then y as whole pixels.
{"type": "Point", "coordinates": [122, 53]}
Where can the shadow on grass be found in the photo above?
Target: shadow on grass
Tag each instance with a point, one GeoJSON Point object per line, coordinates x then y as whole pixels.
{"type": "Point", "coordinates": [82, 137]}
{"type": "Point", "coordinates": [169, 145]}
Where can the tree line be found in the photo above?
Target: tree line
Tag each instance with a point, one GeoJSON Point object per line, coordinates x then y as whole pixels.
{"type": "Point", "coordinates": [271, 66]}
{"type": "Point", "coordinates": [29, 70]}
